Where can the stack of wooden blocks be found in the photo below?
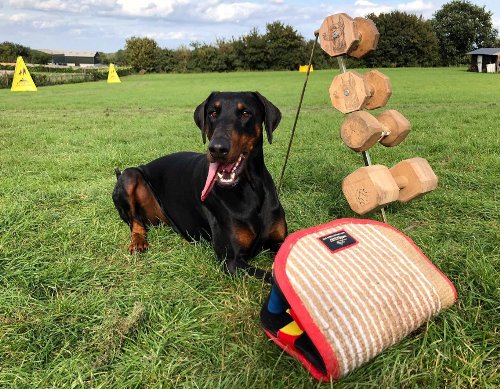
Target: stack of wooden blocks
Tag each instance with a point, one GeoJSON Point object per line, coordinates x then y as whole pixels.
{"type": "Point", "coordinates": [374, 186]}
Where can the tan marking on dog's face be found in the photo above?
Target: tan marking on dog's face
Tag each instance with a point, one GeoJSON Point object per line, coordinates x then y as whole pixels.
{"type": "Point", "coordinates": [243, 143]}
{"type": "Point", "coordinates": [258, 130]}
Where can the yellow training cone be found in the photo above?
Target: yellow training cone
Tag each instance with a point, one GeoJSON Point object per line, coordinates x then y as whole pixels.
{"type": "Point", "coordinates": [112, 75]}
{"type": "Point", "coordinates": [303, 68]}
{"type": "Point", "coordinates": [22, 81]}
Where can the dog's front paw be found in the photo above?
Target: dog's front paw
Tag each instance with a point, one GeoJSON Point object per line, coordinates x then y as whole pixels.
{"type": "Point", "coordinates": [230, 266]}
{"type": "Point", "coordinates": [139, 244]}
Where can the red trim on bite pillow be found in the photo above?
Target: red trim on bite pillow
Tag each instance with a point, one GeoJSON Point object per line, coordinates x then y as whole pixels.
{"type": "Point", "coordinates": [292, 351]}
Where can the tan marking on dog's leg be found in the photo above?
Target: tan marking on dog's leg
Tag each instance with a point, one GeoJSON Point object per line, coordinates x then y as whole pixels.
{"type": "Point", "coordinates": [144, 208]}
{"type": "Point", "coordinates": [277, 232]}
{"type": "Point", "coordinates": [149, 204]}
{"type": "Point", "coordinates": [244, 236]}
{"type": "Point", "coordinates": [139, 241]}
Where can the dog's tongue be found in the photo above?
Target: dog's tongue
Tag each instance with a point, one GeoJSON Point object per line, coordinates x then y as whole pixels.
{"type": "Point", "coordinates": [209, 184]}
{"type": "Point", "coordinates": [213, 169]}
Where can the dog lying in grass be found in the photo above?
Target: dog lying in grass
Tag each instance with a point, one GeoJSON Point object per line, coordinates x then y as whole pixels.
{"type": "Point", "coordinates": [226, 196]}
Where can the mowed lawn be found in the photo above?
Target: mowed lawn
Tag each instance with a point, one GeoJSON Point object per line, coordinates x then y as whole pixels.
{"type": "Point", "coordinates": [76, 310]}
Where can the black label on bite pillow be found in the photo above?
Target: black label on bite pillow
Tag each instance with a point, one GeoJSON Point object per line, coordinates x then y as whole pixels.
{"type": "Point", "coordinates": [338, 240]}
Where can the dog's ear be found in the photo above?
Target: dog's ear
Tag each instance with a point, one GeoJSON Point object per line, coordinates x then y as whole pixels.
{"type": "Point", "coordinates": [200, 113]}
{"type": "Point", "coordinates": [272, 118]}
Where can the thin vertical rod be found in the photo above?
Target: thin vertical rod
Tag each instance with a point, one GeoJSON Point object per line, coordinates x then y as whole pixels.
{"type": "Point", "coordinates": [342, 67]}
{"type": "Point", "coordinates": [298, 112]}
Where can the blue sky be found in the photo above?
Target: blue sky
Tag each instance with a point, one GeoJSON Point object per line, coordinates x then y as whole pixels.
{"type": "Point", "coordinates": [104, 25]}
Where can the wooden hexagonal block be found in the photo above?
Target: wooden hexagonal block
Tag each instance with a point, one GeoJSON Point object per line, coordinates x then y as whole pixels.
{"type": "Point", "coordinates": [338, 34]}
{"type": "Point", "coordinates": [360, 131]}
{"type": "Point", "coordinates": [415, 177]}
{"type": "Point", "coordinates": [369, 188]}
{"type": "Point", "coordinates": [381, 89]}
{"type": "Point", "coordinates": [368, 39]}
{"type": "Point", "coordinates": [397, 125]}
{"type": "Point", "coordinates": [349, 92]}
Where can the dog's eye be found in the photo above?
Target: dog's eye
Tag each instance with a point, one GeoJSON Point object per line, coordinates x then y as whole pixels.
{"type": "Point", "coordinates": [213, 114]}
{"type": "Point", "coordinates": [245, 114]}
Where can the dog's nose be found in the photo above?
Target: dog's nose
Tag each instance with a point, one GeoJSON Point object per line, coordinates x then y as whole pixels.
{"type": "Point", "coordinates": [219, 147]}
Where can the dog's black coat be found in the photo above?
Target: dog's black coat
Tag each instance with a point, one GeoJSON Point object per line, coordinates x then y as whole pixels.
{"type": "Point", "coordinates": [240, 220]}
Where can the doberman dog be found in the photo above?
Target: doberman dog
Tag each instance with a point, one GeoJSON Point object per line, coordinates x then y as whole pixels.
{"type": "Point", "coordinates": [226, 195]}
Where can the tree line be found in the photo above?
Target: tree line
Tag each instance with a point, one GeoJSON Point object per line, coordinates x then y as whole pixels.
{"type": "Point", "coordinates": [10, 51]}
{"type": "Point", "coordinates": [405, 40]}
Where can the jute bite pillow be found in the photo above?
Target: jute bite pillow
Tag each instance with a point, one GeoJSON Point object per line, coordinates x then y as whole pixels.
{"type": "Point", "coordinates": [352, 288]}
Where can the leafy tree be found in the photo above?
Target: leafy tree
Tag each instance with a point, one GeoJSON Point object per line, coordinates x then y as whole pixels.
{"type": "Point", "coordinates": [285, 46]}
{"type": "Point", "coordinates": [228, 55]}
{"type": "Point", "coordinates": [105, 58]}
{"type": "Point", "coordinates": [10, 51]}
{"type": "Point", "coordinates": [142, 53]}
{"type": "Point", "coordinates": [119, 58]}
{"type": "Point", "coordinates": [253, 50]}
{"type": "Point", "coordinates": [405, 40]}
{"type": "Point", "coordinates": [460, 27]}
{"type": "Point", "coordinates": [205, 58]}
{"type": "Point", "coordinates": [238, 53]}
{"type": "Point", "coordinates": [182, 56]}
{"type": "Point", "coordinates": [166, 61]}
{"type": "Point", "coordinates": [39, 57]}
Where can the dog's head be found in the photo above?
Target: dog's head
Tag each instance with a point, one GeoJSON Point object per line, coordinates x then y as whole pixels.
{"type": "Point", "coordinates": [233, 123]}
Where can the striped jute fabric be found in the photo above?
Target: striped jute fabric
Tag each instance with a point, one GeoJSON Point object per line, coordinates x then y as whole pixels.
{"type": "Point", "coordinates": [369, 295]}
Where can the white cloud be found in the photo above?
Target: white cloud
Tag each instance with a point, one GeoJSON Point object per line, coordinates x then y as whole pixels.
{"type": "Point", "coordinates": [171, 35]}
{"type": "Point", "coordinates": [77, 31]}
{"type": "Point", "coordinates": [19, 18]}
{"type": "Point", "coordinates": [45, 24]}
{"type": "Point", "coordinates": [146, 8]}
{"type": "Point", "coordinates": [231, 12]}
{"type": "Point", "coordinates": [364, 7]}
{"type": "Point", "coordinates": [49, 5]}
{"type": "Point", "coordinates": [415, 6]}
{"type": "Point", "coordinates": [364, 3]}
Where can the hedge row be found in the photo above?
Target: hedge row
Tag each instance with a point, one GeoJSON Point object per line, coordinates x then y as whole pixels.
{"type": "Point", "coordinates": [44, 78]}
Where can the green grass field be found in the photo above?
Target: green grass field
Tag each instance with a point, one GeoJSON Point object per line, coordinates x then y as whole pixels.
{"type": "Point", "coordinates": [76, 310]}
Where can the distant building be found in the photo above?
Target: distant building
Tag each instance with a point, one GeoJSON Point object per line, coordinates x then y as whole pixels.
{"type": "Point", "coordinates": [73, 58]}
{"type": "Point", "coordinates": [484, 60]}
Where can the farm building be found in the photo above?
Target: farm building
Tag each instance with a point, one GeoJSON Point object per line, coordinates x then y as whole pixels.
{"type": "Point", "coordinates": [486, 59]}
{"type": "Point", "coordinates": [74, 58]}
